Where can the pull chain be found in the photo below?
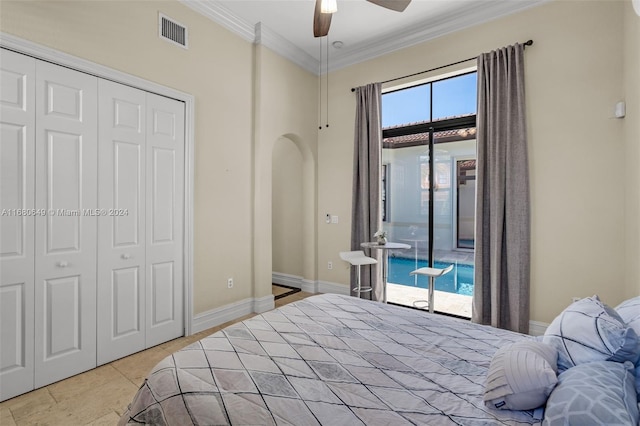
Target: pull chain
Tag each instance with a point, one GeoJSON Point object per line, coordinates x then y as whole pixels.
{"type": "Point", "coordinates": [320, 87]}
{"type": "Point", "coordinates": [327, 85]}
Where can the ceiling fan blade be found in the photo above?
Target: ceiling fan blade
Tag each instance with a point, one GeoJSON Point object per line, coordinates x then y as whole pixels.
{"type": "Point", "coordinates": [397, 5]}
{"type": "Point", "coordinates": [321, 21]}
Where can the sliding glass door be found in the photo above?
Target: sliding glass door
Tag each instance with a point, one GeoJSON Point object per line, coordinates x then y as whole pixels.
{"type": "Point", "coordinates": [428, 198]}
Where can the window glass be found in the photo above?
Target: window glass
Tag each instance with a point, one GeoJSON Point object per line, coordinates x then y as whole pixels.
{"type": "Point", "coordinates": [406, 106]}
{"type": "Point", "coordinates": [454, 96]}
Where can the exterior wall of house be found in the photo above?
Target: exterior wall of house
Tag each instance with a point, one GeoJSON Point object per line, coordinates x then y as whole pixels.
{"type": "Point", "coordinates": [631, 95]}
{"type": "Point", "coordinates": [576, 151]}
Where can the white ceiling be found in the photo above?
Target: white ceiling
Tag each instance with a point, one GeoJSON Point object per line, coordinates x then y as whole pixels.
{"type": "Point", "coordinates": [366, 30]}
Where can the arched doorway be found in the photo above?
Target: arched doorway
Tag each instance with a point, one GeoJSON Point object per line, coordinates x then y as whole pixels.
{"type": "Point", "coordinates": [287, 217]}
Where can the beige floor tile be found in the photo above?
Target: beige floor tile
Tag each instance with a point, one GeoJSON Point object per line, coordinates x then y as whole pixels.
{"type": "Point", "coordinates": [277, 290]}
{"type": "Point", "coordinates": [82, 411]}
{"type": "Point", "coordinates": [77, 385]}
{"type": "Point", "coordinates": [108, 420]}
{"type": "Point", "coordinates": [137, 366]}
{"type": "Point", "coordinates": [90, 406]}
{"type": "Point", "coordinates": [6, 418]}
{"type": "Point", "coordinates": [115, 395]}
{"type": "Point", "coordinates": [177, 344]}
{"type": "Point", "coordinates": [33, 402]}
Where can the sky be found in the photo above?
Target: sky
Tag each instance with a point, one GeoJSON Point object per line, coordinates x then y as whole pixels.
{"type": "Point", "coordinates": [451, 97]}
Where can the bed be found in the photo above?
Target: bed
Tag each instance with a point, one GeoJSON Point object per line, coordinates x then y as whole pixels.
{"type": "Point", "coordinates": [331, 360]}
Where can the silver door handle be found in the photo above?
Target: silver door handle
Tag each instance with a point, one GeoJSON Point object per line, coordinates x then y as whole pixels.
{"type": "Point", "coordinates": [126, 256]}
{"type": "Point", "coordinates": [63, 264]}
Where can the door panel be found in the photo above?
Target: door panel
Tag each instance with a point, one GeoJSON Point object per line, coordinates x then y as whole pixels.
{"type": "Point", "coordinates": [121, 236]}
{"type": "Point", "coordinates": [165, 201]}
{"type": "Point", "coordinates": [63, 325]}
{"type": "Point", "coordinates": [17, 154]}
{"type": "Point", "coordinates": [65, 254]}
{"type": "Point", "coordinates": [162, 284]}
{"type": "Point", "coordinates": [63, 170]}
{"type": "Point", "coordinates": [163, 196]}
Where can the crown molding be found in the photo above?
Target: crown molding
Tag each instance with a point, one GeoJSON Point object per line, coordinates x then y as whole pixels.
{"type": "Point", "coordinates": [260, 34]}
{"type": "Point", "coordinates": [274, 41]}
{"type": "Point", "coordinates": [475, 13]}
{"type": "Point", "coordinates": [223, 16]}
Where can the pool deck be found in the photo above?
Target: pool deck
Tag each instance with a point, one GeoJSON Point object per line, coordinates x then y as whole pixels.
{"type": "Point", "coordinates": [417, 297]}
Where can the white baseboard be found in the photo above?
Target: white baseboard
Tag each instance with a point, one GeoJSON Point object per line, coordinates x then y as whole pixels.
{"type": "Point", "coordinates": [264, 304]}
{"type": "Point", "coordinates": [309, 286]}
{"type": "Point", "coordinates": [537, 328]}
{"type": "Point", "coordinates": [294, 281]}
{"type": "Point", "coordinates": [286, 279]}
{"type": "Point", "coordinates": [329, 287]}
{"type": "Point", "coordinates": [217, 316]}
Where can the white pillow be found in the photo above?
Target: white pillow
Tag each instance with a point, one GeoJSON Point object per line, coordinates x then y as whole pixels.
{"type": "Point", "coordinates": [589, 330]}
{"type": "Point", "coordinates": [521, 376]}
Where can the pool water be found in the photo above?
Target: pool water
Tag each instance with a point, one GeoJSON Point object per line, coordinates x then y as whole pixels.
{"type": "Point", "coordinates": [459, 281]}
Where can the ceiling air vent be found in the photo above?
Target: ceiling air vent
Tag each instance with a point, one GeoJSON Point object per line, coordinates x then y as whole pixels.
{"type": "Point", "coordinates": [172, 31]}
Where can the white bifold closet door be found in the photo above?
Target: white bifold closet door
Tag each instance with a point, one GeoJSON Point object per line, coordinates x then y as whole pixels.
{"type": "Point", "coordinates": [164, 224]}
{"type": "Point", "coordinates": [91, 230]}
{"type": "Point", "coordinates": [121, 236]}
{"type": "Point", "coordinates": [65, 238]}
{"type": "Point", "coordinates": [17, 168]}
{"type": "Point", "coordinates": [140, 237]}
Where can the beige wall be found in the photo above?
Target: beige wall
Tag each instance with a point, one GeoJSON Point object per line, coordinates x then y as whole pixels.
{"type": "Point", "coordinates": [574, 78]}
{"type": "Point", "coordinates": [287, 208]}
{"type": "Point", "coordinates": [584, 60]}
{"type": "Point", "coordinates": [631, 125]}
{"type": "Point", "coordinates": [285, 106]}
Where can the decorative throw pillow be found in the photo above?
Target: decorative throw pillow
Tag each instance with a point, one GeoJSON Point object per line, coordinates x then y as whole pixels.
{"type": "Point", "coordinates": [588, 330]}
{"type": "Point", "coordinates": [629, 311]}
{"type": "Point", "coordinates": [521, 376]}
{"type": "Point", "coordinates": [595, 393]}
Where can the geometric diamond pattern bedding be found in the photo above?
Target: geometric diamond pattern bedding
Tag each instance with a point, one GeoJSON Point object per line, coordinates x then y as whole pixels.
{"type": "Point", "coordinates": [330, 360]}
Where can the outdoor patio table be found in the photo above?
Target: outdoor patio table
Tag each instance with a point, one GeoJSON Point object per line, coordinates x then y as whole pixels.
{"type": "Point", "coordinates": [385, 259]}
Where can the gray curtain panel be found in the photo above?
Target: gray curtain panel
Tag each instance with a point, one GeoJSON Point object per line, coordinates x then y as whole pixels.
{"type": "Point", "coordinates": [365, 212]}
{"type": "Point", "coordinates": [501, 295]}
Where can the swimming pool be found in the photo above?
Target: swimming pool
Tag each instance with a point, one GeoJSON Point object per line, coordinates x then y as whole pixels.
{"type": "Point", "coordinates": [459, 281]}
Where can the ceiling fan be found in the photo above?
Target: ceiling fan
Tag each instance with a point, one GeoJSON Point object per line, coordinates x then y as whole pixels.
{"type": "Point", "coordinates": [326, 8]}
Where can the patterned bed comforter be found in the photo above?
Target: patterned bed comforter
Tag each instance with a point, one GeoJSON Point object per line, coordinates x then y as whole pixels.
{"type": "Point", "coordinates": [330, 360]}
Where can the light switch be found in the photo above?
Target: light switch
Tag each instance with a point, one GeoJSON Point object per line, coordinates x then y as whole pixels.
{"type": "Point", "coordinates": [334, 219]}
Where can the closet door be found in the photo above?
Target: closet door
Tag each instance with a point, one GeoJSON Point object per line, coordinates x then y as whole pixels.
{"type": "Point", "coordinates": [17, 153]}
{"type": "Point", "coordinates": [121, 232]}
{"type": "Point", "coordinates": [65, 253]}
{"type": "Point", "coordinates": [164, 232]}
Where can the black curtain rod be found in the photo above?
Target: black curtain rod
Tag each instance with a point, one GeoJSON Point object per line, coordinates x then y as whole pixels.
{"type": "Point", "coordinates": [526, 43]}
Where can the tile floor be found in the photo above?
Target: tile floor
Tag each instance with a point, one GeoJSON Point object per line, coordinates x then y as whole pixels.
{"type": "Point", "coordinates": [456, 304]}
{"type": "Point", "coordinates": [99, 396]}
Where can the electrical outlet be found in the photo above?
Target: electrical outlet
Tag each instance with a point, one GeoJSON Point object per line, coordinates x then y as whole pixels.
{"type": "Point", "coordinates": [230, 283]}
{"type": "Point", "coordinates": [330, 265]}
